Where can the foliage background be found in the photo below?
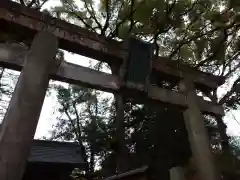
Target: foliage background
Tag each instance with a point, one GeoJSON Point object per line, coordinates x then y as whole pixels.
{"type": "Point", "coordinates": [201, 33]}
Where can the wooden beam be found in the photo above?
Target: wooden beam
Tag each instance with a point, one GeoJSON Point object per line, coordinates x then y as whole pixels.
{"type": "Point", "coordinates": [175, 69]}
{"type": "Point", "coordinates": [13, 57]}
{"type": "Point", "coordinates": [14, 16]}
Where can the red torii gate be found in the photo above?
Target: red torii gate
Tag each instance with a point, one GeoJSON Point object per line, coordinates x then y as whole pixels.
{"type": "Point", "coordinates": [38, 65]}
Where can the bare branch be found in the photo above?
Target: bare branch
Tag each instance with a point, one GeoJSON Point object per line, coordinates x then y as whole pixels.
{"type": "Point", "coordinates": [77, 133]}
{"type": "Point", "coordinates": [190, 39]}
{"type": "Point", "coordinates": [71, 11]}
{"type": "Point", "coordinates": [90, 28]}
{"type": "Point", "coordinates": [234, 117]}
{"type": "Point", "coordinates": [131, 18]}
{"type": "Point", "coordinates": [66, 111]}
{"type": "Point", "coordinates": [22, 2]}
{"type": "Point", "coordinates": [229, 93]}
{"type": "Point", "coordinates": [107, 18]}
{"type": "Point", "coordinates": [216, 51]}
{"type": "Point", "coordinates": [118, 14]}
{"type": "Point", "coordinates": [1, 73]}
{"type": "Point", "coordinates": [79, 125]}
{"type": "Point", "coordinates": [115, 32]}
{"type": "Point", "coordinates": [41, 5]}
{"type": "Point", "coordinates": [191, 8]}
{"type": "Point", "coordinates": [170, 9]}
{"type": "Point", "coordinates": [92, 13]}
{"type": "Point", "coordinates": [234, 69]}
{"type": "Point", "coordinates": [31, 3]}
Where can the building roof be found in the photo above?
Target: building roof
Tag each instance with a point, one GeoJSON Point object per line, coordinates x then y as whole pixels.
{"type": "Point", "coordinates": [56, 152]}
{"type": "Point", "coordinates": [45, 151]}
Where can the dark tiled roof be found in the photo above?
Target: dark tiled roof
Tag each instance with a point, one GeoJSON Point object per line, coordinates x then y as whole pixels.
{"type": "Point", "coordinates": [55, 152]}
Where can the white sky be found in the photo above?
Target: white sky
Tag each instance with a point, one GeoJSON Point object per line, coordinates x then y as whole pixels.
{"type": "Point", "coordinates": [49, 110]}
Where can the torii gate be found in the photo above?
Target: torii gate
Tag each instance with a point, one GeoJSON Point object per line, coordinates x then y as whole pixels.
{"type": "Point", "coordinates": [38, 65]}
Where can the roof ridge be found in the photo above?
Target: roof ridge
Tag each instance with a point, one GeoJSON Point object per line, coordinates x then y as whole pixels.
{"type": "Point", "coordinates": [56, 142]}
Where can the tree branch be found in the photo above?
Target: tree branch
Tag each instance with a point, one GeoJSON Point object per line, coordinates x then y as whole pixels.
{"type": "Point", "coordinates": [31, 3]}
{"type": "Point", "coordinates": [115, 32]}
{"type": "Point", "coordinates": [216, 51]}
{"type": "Point", "coordinates": [41, 5]}
{"type": "Point", "coordinates": [107, 18]}
{"type": "Point", "coordinates": [170, 9]}
{"type": "Point", "coordinates": [229, 93]}
{"type": "Point", "coordinates": [79, 125]}
{"type": "Point", "coordinates": [233, 24]}
{"type": "Point", "coordinates": [82, 20]}
{"type": "Point", "coordinates": [118, 14]}
{"type": "Point", "coordinates": [131, 18]}
{"type": "Point", "coordinates": [77, 115]}
{"type": "Point", "coordinates": [1, 73]}
{"type": "Point", "coordinates": [72, 11]}
{"type": "Point", "coordinates": [66, 111]}
{"type": "Point", "coordinates": [234, 69]}
{"type": "Point", "coordinates": [22, 2]}
{"type": "Point", "coordinates": [92, 13]}
{"type": "Point", "coordinates": [78, 132]}
{"type": "Point", "coordinates": [192, 38]}
{"type": "Point", "coordinates": [161, 30]}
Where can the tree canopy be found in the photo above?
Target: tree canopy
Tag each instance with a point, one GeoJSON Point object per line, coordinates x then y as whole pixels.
{"type": "Point", "coordinates": [203, 34]}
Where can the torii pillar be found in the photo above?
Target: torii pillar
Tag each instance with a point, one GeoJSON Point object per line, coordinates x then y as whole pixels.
{"type": "Point", "coordinates": [197, 134]}
{"type": "Point", "coordinates": [20, 122]}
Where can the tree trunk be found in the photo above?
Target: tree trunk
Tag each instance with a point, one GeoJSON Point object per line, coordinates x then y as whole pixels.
{"type": "Point", "coordinates": [91, 169]}
{"type": "Point", "coordinates": [222, 129]}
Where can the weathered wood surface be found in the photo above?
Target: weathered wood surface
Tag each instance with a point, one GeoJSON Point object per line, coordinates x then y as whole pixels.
{"type": "Point", "coordinates": [78, 40]}
{"type": "Point", "coordinates": [197, 135]}
{"type": "Point", "coordinates": [21, 119]}
{"type": "Point", "coordinates": [13, 58]}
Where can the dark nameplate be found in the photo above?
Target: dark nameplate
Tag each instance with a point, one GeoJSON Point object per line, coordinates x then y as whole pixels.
{"type": "Point", "coordinates": [138, 67]}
